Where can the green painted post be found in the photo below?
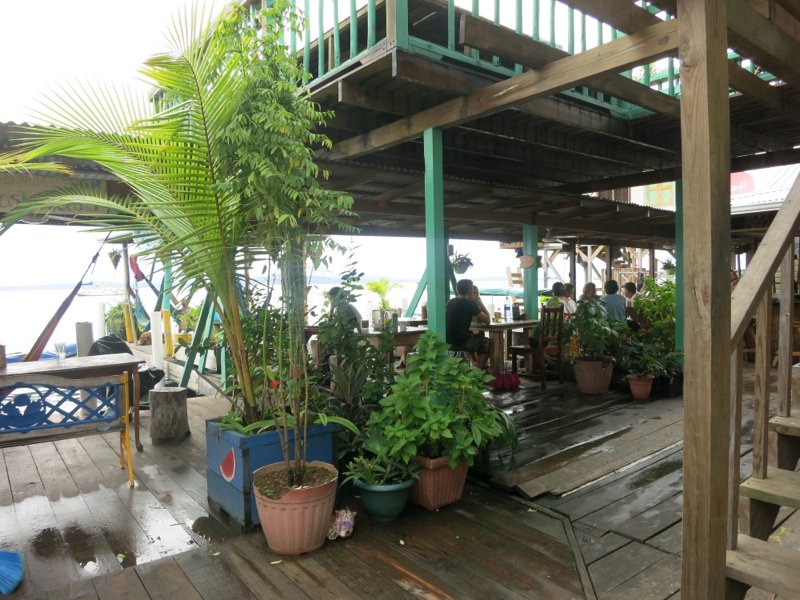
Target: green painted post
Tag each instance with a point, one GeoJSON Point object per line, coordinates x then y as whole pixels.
{"type": "Point", "coordinates": [353, 29]}
{"type": "Point", "coordinates": [306, 39]}
{"type": "Point", "coordinates": [536, 15]}
{"type": "Point", "coordinates": [401, 23]}
{"type": "Point", "coordinates": [451, 24]}
{"type": "Point", "coordinates": [204, 323]}
{"type": "Point", "coordinates": [371, 23]}
{"type": "Point", "coordinates": [530, 277]}
{"type": "Point", "coordinates": [552, 22]}
{"type": "Point", "coordinates": [518, 29]}
{"type": "Point", "coordinates": [423, 282]}
{"type": "Point", "coordinates": [571, 32]}
{"type": "Point", "coordinates": [293, 33]}
{"type": "Point", "coordinates": [679, 303]}
{"type": "Point", "coordinates": [434, 230]}
{"type": "Point", "coordinates": [337, 52]}
{"type": "Point", "coordinates": [320, 43]}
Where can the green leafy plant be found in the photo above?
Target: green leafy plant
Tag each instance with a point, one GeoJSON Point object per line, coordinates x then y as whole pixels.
{"type": "Point", "coordinates": [461, 262]}
{"type": "Point", "coordinates": [115, 320]}
{"type": "Point", "coordinates": [382, 287]}
{"type": "Point", "coordinates": [378, 464]}
{"type": "Point", "coordinates": [437, 408]}
{"type": "Point", "coordinates": [593, 333]}
{"type": "Point", "coordinates": [639, 358]}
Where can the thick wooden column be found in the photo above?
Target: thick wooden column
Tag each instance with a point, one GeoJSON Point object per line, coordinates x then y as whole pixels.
{"type": "Point", "coordinates": [705, 143]}
{"type": "Point", "coordinates": [435, 241]}
{"type": "Point", "coordinates": [679, 287]}
{"type": "Point", "coordinates": [530, 277]}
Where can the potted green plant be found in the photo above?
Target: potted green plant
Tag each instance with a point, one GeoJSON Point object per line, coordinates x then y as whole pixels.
{"type": "Point", "coordinates": [642, 362]}
{"type": "Point", "coordinates": [115, 320]}
{"type": "Point", "coordinates": [437, 415]}
{"type": "Point", "coordinates": [593, 340]}
{"type": "Point", "coordinates": [382, 478]}
{"type": "Point", "coordinates": [461, 263]}
{"type": "Point", "coordinates": [381, 287]}
{"type": "Point", "coordinates": [668, 267]}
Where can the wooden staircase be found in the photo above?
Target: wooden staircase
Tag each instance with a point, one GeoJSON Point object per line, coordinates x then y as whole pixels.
{"type": "Point", "coordinates": [751, 560]}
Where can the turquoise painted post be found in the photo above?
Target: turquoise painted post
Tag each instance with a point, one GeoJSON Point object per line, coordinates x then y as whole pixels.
{"type": "Point", "coordinates": [353, 29]}
{"type": "Point", "coordinates": [679, 303]}
{"type": "Point", "coordinates": [571, 33]}
{"type": "Point", "coordinates": [320, 42]}
{"type": "Point", "coordinates": [530, 277]}
{"type": "Point", "coordinates": [552, 22]}
{"type": "Point", "coordinates": [412, 308]}
{"type": "Point", "coordinates": [292, 32]}
{"type": "Point", "coordinates": [203, 325]}
{"type": "Point", "coordinates": [371, 23]}
{"type": "Point", "coordinates": [434, 230]}
{"type": "Point", "coordinates": [337, 52]}
{"type": "Point", "coordinates": [518, 29]}
{"type": "Point", "coordinates": [451, 24]}
{"type": "Point", "coordinates": [536, 16]}
{"type": "Point", "coordinates": [306, 38]}
{"type": "Point", "coordinates": [401, 23]}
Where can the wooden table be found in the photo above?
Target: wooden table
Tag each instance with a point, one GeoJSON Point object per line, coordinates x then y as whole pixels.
{"type": "Point", "coordinates": [400, 339]}
{"type": "Point", "coordinates": [497, 339]}
{"type": "Point", "coordinates": [78, 368]}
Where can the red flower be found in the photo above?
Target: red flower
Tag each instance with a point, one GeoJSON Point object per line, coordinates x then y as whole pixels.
{"type": "Point", "coordinates": [275, 384]}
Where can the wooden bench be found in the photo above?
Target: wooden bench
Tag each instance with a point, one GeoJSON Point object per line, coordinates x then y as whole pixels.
{"type": "Point", "coordinates": [46, 407]}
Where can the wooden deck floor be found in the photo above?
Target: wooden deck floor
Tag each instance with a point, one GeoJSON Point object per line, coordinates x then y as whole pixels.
{"type": "Point", "coordinates": [603, 475]}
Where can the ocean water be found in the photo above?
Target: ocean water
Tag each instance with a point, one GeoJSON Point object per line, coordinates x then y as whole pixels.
{"type": "Point", "coordinates": [25, 312]}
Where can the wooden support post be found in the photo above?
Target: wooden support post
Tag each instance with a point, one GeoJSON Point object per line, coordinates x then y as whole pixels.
{"type": "Point", "coordinates": [530, 277]}
{"type": "Point", "coordinates": [786, 331]}
{"type": "Point", "coordinates": [705, 148]}
{"type": "Point", "coordinates": [435, 242]}
{"type": "Point", "coordinates": [762, 376]}
{"type": "Point", "coordinates": [573, 270]}
{"type": "Point", "coordinates": [734, 456]}
{"type": "Point", "coordinates": [169, 421]}
{"type": "Point", "coordinates": [679, 289]}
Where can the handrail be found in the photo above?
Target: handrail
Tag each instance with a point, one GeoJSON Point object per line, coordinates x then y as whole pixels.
{"type": "Point", "coordinates": [758, 276]}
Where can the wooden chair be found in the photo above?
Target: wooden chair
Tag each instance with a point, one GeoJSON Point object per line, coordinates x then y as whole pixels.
{"type": "Point", "coordinates": [548, 344]}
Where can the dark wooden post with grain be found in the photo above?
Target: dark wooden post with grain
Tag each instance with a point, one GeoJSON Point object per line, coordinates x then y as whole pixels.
{"type": "Point", "coordinates": [169, 421]}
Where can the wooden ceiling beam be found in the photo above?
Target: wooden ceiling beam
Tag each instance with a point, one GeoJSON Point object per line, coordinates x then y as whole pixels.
{"type": "Point", "coordinates": [509, 45]}
{"type": "Point", "coordinates": [790, 6]}
{"type": "Point", "coordinates": [754, 36]}
{"type": "Point", "coordinates": [645, 45]}
{"type": "Point", "coordinates": [359, 178]}
{"type": "Point", "coordinates": [738, 164]}
{"type": "Point", "coordinates": [413, 189]}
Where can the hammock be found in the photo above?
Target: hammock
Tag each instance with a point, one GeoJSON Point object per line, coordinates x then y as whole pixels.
{"type": "Point", "coordinates": [38, 346]}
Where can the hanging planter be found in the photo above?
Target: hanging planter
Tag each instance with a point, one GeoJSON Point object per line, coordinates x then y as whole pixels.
{"type": "Point", "coordinates": [461, 263]}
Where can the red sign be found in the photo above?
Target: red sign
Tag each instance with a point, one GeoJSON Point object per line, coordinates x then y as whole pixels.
{"type": "Point", "coordinates": [742, 183]}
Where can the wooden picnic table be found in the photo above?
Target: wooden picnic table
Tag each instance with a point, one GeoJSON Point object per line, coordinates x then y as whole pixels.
{"type": "Point", "coordinates": [498, 347]}
{"type": "Point", "coordinates": [80, 367]}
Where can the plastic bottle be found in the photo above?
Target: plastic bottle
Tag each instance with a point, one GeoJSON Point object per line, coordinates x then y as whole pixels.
{"type": "Point", "coordinates": [507, 310]}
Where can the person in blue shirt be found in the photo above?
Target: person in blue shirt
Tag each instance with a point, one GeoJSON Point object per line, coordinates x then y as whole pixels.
{"type": "Point", "coordinates": [615, 304]}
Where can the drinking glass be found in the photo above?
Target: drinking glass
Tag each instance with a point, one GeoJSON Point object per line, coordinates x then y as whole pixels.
{"type": "Point", "coordinates": [61, 352]}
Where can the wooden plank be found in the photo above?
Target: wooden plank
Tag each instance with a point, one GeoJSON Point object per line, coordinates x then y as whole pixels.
{"type": "Point", "coordinates": [594, 498]}
{"type": "Point", "coordinates": [254, 570]}
{"type": "Point", "coordinates": [588, 469]}
{"type": "Point", "coordinates": [618, 514]}
{"type": "Point", "coordinates": [765, 565]}
{"type": "Point", "coordinates": [595, 545]}
{"type": "Point", "coordinates": [669, 540]}
{"type": "Point", "coordinates": [211, 576]}
{"type": "Point", "coordinates": [785, 425]}
{"type": "Point", "coordinates": [506, 44]}
{"type": "Point", "coordinates": [780, 487]}
{"type": "Point", "coordinates": [646, 45]}
{"type": "Point", "coordinates": [47, 561]}
{"type": "Point", "coordinates": [165, 580]}
{"type": "Point", "coordinates": [84, 539]}
{"type": "Point", "coordinates": [124, 535]}
{"type": "Point", "coordinates": [786, 332]}
{"type": "Point", "coordinates": [654, 520]}
{"type": "Point", "coordinates": [659, 580]}
{"type": "Point", "coordinates": [124, 585]}
{"type": "Point", "coordinates": [165, 534]}
{"type": "Point", "coordinates": [762, 384]}
{"type": "Point", "coordinates": [620, 566]}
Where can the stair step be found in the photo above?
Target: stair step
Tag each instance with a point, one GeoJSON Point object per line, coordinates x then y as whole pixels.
{"type": "Point", "coordinates": [764, 565]}
{"type": "Point", "coordinates": [781, 487]}
{"type": "Point", "coordinates": [785, 425]}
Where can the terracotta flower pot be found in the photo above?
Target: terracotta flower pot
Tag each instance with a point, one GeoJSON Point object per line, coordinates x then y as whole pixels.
{"type": "Point", "coordinates": [298, 522]}
{"type": "Point", "coordinates": [641, 386]}
{"type": "Point", "coordinates": [438, 484]}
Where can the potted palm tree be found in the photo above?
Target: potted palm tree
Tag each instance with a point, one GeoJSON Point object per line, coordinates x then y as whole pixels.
{"type": "Point", "coordinates": [381, 287]}
{"type": "Point", "coordinates": [215, 170]}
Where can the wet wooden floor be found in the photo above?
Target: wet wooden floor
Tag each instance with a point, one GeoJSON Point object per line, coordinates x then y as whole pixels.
{"type": "Point", "coordinates": [589, 507]}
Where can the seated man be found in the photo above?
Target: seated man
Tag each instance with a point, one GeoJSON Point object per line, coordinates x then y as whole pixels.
{"type": "Point", "coordinates": [459, 313]}
{"type": "Point", "coordinates": [346, 311]}
{"type": "Point", "coordinates": [615, 304]}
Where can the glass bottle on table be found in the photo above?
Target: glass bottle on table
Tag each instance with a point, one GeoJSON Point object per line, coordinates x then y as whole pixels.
{"type": "Point", "coordinates": [507, 310]}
